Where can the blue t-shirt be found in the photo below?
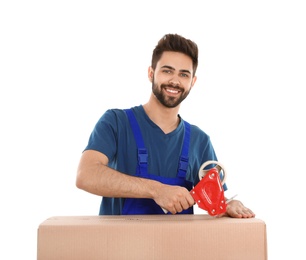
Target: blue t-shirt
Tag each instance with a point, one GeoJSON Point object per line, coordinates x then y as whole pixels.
{"type": "Point", "coordinates": [113, 136]}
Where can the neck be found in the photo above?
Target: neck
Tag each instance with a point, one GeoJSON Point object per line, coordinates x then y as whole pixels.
{"type": "Point", "coordinates": [166, 118]}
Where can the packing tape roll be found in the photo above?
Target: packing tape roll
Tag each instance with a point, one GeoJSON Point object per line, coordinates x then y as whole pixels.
{"type": "Point", "coordinates": [218, 166]}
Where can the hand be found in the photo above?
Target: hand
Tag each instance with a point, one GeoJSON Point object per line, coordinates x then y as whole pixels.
{"type": "Point", "coordinates": [174, 199]}
{"type": "Point", "coordinates": [236, 209]}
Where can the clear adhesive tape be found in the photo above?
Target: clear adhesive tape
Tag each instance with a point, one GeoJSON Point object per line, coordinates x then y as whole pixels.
{"type": "Point", "coordinates": [218, 166]}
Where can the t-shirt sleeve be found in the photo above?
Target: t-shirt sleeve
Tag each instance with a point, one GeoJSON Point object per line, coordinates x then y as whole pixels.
{"type": "Point", "coordinates": [103, 138]}
{"type": "Point", "coordinates": [208, 152]}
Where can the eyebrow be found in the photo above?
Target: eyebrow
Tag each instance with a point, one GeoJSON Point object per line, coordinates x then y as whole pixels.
{"type": "Point", "coordinates": [171, 68]}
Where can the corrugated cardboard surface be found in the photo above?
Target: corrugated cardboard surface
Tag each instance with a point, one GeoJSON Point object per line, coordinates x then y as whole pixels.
{"type": "Point", "coordinates": [155, 237]}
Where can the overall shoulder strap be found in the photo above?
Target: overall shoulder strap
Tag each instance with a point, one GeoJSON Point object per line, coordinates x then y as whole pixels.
{"type": "Point", "coordinates": [141, 150]}
{"type": "Point", "coordinates": [183, 163]}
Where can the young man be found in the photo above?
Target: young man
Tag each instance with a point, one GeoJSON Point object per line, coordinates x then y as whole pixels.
{"type": "Point", "coordinates": [134, 156]}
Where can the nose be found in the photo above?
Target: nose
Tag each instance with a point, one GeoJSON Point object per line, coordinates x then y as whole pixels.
{"type": "Point", "coordinates": [174, 81]}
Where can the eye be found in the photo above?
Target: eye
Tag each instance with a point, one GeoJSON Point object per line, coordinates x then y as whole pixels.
{"type": "Point", "coordinates": [167, 71]}
{"type": "Point", "coordinates": [184, 75]}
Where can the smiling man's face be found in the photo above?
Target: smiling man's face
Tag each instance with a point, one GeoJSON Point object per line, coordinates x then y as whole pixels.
{"type": "Point", "coordinates": [172, 79]}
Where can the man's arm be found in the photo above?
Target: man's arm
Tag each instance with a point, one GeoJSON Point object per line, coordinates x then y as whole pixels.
{"type": "Point", "coordinates": [94, 176]}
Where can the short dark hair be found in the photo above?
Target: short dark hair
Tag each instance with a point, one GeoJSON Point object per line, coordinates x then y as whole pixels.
{"type": "Point", "coordinates": [176, 43]}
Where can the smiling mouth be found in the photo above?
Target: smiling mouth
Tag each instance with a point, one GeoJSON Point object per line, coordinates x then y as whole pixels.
{"type": "Point", "coordinates": [172, 91]}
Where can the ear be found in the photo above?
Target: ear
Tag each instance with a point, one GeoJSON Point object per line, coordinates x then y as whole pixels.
{"type": "Point", "coordinates": [150, 74]}
{"type": "Point", "coordinates": [194, 79]}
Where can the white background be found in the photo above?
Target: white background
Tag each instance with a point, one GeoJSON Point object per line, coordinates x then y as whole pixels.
{"type": "Point", "coordinates": [63, 63]}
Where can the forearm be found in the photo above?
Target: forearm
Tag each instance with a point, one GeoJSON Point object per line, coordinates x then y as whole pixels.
{"type": "Point", "coordinates": [111, 183]}
{"type": "Point", "coordinates": [95, 177]}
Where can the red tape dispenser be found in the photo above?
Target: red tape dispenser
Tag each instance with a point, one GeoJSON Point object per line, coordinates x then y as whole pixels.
{"type": "Point", "coordinates": [209, 193]}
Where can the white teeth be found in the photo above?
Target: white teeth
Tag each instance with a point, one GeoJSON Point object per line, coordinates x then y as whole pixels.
{"type": "Point", "coordinates": [172, 91]}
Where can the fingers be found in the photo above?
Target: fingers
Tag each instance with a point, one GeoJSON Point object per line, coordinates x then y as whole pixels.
{"type": "Point", "coordinates": [246, 213]}
{"type": "Point", "coordinates": [236, 209]}
{"type": "Point", "coordinates": [180, 205]}
{"type": "Point", "coordinates": [179, 200]}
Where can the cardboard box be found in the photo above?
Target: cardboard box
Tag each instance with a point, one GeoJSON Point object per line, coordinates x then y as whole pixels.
{"type": "Point", "coordinates": [146, 237]}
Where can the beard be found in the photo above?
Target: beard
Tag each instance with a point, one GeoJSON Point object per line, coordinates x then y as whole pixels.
{"type": "Point", "coordinates": [165, 100]}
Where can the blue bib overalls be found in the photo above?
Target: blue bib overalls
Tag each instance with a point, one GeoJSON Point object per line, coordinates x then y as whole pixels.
{"type": "Point", "coordinates": [148, 206]}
